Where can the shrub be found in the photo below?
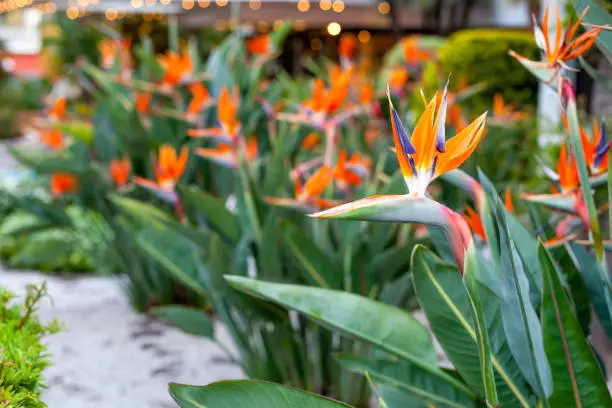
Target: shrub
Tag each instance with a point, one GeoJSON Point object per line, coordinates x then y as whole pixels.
{"type": "Point", "coordinates": [22, 356]}
{"type": "Point", "coordinates": [482, 56]}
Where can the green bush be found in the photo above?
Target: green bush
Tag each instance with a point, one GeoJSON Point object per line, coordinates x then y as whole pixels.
{"type": "Point", "coordinates": [22, 356]}
{"type": "Point", "coordinates": [482, 56]}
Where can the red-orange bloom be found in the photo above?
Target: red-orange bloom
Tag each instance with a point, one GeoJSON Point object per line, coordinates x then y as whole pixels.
{"type": "Point", "coordinates": [326, 103]}
{"type": "Point", "coordinates": [178, 68]}
{"type": "Point", "coordinates": [412, 53]}
{"type": "Point", "coordinates": [567, 169]}
{"type": "Point", "coordinates": [505, 113]}
{"type": "Point", "coordinates": [58, 110]}
{"type": "Point", "coordinates": [347, 46]}
{"type": "Point", "coordinates": [310, 141]}
{"type": "Point", "coordinates": [315, 185]}
{"type": "Point", "coordinates": [227, 110]}
{"type": "Point", "coordinates": [259, 45]}
{"type": "Point", "coordinates": [52, 138]}
{"type": "Point", "coordinates": [227, 155]}
{"type": "Point", "coordinates": [475, 222]}
{"type": "Point", "coordinates": [366, 94]}
{"type": "Point", "coordinates": [119, 169]}
{"type": "Point", "coordinates": [595, 148]}
{"type": "Point", "coordinates": [62, 183]}
{"type": "Point", "coordinates": [398, 79]}
{"type": "Point", "coordinates": [143, 99]}
{"type": "Point", "coordinates": [200, 97]}
{"type": "Point", "coordinates": [508, 200]}
{"type": "Point", "coordinates": [350, 172]}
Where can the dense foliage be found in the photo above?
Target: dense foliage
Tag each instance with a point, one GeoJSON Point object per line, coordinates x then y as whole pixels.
{"type": "Point", "coordinates": [23, 355]}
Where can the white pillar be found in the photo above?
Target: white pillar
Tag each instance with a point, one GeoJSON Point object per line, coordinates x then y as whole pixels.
{"type": "Point", "coordinates": [549, 108]}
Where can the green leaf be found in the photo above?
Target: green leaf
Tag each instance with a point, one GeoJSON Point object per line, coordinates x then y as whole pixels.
{"type": "Point", "coordinates": [220, 219]}
{"type": "Point", "coordinates": [178, 255]}
{"type": "Point", "coordinates": [484, 348]}
{"type": "Point", "coordinates": [577, 379]}
{"type": "Point", "coordinates": [407, 377]}
{"type": "Point", "coordinates": [187, 319]}
{"type": "Point", "coordinates": [46, 161]}
{"type": "Point", "coordinates": [247, 394]}
{"type": "Point", "coordinates": [519, 318]}
{"type": "Point", "coordinates": [318, 267]}
{"type": "Point", "coordinates": [398, 333]}
{"type": "Point", "coordinates": [445, 302]}
{"type": "Point", "coordinates": [599, 290]}
{"type": "Point", "coordinates": [395, 397]}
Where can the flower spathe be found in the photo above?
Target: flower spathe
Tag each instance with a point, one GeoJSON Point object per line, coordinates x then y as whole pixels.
{"type": "Point", "coordinates": [229, 126]}
{"type": "Point", "coordinates": [427, 154]}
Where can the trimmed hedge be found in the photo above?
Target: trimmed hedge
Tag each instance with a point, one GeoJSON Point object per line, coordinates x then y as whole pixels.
{"type": "Point", "coordinates": [482, 56]}
{"type": "Point", "coordinates": [22, 356]}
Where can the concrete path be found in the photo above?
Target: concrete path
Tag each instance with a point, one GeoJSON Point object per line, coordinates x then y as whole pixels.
{"type": "Point", "coordinates": [109, 356]}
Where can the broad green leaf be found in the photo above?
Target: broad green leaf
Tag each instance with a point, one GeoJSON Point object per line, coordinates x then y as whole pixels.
{"type": "Point", "coordinates": [268, 256]}
{"type": "Point", "coordinates": [519, 318]}
{"type": "Point", "coordinates": [398, 333]}
{"type": "Point", "coordinates": [577, 379]}
{"type": "Point", "coordinates": [557, 202]}
{"type": "Point", "coordinates": [247, 394]}
{"type": "Point", "coordinates": [80, 130]}
{"type": "Point", "coordinates": [177, 254]}
{"type": "Point", "coordinates": [319, 269]}
{"type": "Point", "coordinates": [46, 161]}
{"type": "Point", "coordinates": [187, 319]}
{"type": "Point", "coordinates": [390, 263]}
{"type": "Point", "coordinates": [220, 219]}
{"type": "Point", "coordinates": [395, 397]}
{"type": "Point", "coordinates": [407, 377]}
{"type": "Point", "coordinates": [480, 326]}
{"type": "Point", "coordinates": [445, 301]}
{"type": "Point", "coordinates": [598, 288]}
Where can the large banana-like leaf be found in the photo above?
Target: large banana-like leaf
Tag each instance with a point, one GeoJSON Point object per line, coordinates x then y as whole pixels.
{"type": "Point", "coordinates": [318, 268]}
{"type": "Point", "coordinates": [219, 218]}
{"type": "Point", "coordinates": [188, 319]}
{"type": "Point", "coordinates": [577, 379]}
{"type": "Point", "coordinates": [599, 289]}
{"type": "Point", "coordinates": [445, 302]}
{"type": "Point", "coordinates": [408, 377]}
{"type": "Point", "coordinates": [480, 326]}
{"type": "Point", "coordinates": [519, 317]}
{"type": "Point", "coordinates": [376, 323]}
{"type": "Point", "coordinates": [247, 394]}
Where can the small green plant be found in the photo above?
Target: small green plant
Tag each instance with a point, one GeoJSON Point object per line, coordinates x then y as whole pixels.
{"type": "Point", "coordinates": [482, 56]}
{"type": "Point", "coordinates": [22, 355]}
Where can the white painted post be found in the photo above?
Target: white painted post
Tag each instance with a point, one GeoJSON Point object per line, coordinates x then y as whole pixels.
{"type": "Point", "coordinates": [549, 108]}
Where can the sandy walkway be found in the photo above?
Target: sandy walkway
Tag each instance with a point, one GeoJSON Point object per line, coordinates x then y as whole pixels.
{"type": "Point", "coordinates": [108, 356]}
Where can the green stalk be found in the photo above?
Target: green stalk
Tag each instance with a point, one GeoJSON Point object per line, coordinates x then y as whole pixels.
{"type": "Point", "coordinates": [568, 93]}
{"type": "Point", "coordinates": [173, 33]}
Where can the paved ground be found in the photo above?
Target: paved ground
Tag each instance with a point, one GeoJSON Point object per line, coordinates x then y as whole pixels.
{"type": "Point", "coordinates": [108, 356]}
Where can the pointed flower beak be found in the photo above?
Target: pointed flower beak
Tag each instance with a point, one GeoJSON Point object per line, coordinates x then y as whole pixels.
{"type": "Point", "coordinates": [409, 208]}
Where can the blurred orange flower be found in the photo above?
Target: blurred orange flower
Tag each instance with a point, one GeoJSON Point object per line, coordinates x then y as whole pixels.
{"type": "Point", "coordinates": [62, 183]}
{"type": "Point", "coordinates": [52, 138]}
{"type": "Point", "coordinates": [177, 68]}
{"type": "Point", "coordinates": [119, 169]}
{"type": "Point", "coordinates": [259, 45]}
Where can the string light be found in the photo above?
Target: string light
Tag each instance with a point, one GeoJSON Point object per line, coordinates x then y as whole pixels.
{"type": "Point", "coordinates": [150, 3]}
{"type": "Point", "coordinates": [188, 4]}
{"type": "Point", "coordinates": [221, 3]}
{"type": "Point", "coordinates": [334, 28]}
{"type": "Point", "coordinates": [325, 5]}
{"type": "Point", "coordinates": [83, 3]}
{"type": "Point", "coordinates": [110, 14]}
{"type": "Point", "coordinates": [94, 2]}
{"type": "Point", "coordinates": [364, 36]}
{"type": "Point", "coordinates": [384, 7]}
{"type": "Point", "coordinates": [50, 8]}
{"type": "Point", "coordinates": [203, 3]}
{"type": "Point", "coordinates": [254, 4]}
{"type": "Point", "coordinates": [303, 5]}
{"type": "Point", "coordinates": [262, 26]}
{"type": "Point", "coordinates": [277, 24]}
{"type": "Point", "coordinates": [338, 6]}
{"type": "Point", "coordinates": [165, 2]}
{"type": "Point", "coordinates": [300, 25]}
{"type": "Point", "coordinates": [136, 3]}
